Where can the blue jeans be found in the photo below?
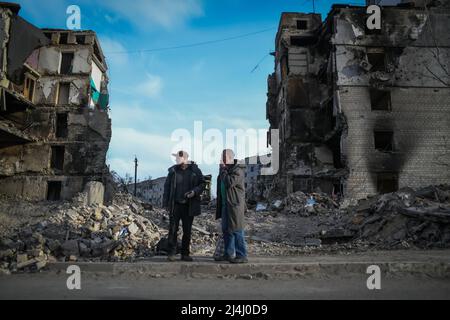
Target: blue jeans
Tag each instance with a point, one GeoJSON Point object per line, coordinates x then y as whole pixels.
{"type": "Point", "coordinates": [234, 241]}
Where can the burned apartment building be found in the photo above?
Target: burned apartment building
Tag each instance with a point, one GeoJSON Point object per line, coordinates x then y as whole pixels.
{"type": "Point", "coordinates": [54, 124]}
{"type": "Point", "coordinates": [362, 111]}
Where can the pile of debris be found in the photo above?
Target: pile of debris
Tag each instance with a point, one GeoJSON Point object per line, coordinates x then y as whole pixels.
{"type": "Point", "coordinates": [305, 205]}
{"type": "Point", "coordinates": [34, 234]}
{"type": "Point", "coordinates": [75, 231]}
{"type": "Point", "coordinates": [405, 218]}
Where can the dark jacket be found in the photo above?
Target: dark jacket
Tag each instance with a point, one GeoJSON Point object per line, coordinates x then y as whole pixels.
{"type": "Point", "coordinates": [233, 178]}
{"type": "Point", "coordinates": [197, 184]}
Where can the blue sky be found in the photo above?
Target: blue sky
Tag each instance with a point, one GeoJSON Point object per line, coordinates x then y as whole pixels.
{"type": "Point", "coordinates": [154, 93]}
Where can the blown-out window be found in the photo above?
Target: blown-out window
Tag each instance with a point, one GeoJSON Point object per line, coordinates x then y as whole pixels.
{"type": "Point", "coordinates": [57, 157]}
{"type": "Point", "coordinates": [384, 140]}
{"type": "Point", "coordinates": [54, 190]}
{"type": "Point", "coordinates": [387, 182]}
{"type": "Point", "coordinates": [380, 100]}
{"type": "Point", "coordinates": [302, 24]}
{"type": "Point", "coordinates": [28, 88]}
{"type": "Point", "coordinates": [66, 62]}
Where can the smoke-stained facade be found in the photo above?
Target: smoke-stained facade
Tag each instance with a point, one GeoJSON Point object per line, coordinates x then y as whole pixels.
{"type": "Point", "coordinates": [362, 111]}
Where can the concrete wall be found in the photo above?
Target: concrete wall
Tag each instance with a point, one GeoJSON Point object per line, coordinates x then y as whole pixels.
{"type": "Point", "coordinates": [46, 91]}
{"type": "Point", "coordinates": [410, 66]}
{"type": "Point", "coordinates": [35, 187]}
{"type": "Point", "coordinates": [50, 59]}
{"type": "Point", "coordinates": [24, 158]}
{"type": "Point", "coordinates": [400, 27]}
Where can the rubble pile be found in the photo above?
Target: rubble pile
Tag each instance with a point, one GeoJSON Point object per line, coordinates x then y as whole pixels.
{"type": "Point", "coordinates": [75, 231]}
{"type": "Point", "coordinates": [308, 204]}
{"type": "Point", "coordinates": [33, 234]}
{"type": "Point", "coordinates": [405, 218]}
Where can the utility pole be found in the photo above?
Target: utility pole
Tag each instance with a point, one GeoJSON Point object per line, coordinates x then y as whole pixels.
{"type": "Point", "coordinates": [314, 6]}
{"type": "Point", "coordinates": [135, 174]}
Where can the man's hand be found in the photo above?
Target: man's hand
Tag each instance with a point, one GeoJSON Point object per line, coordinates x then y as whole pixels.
{"type": "Point", "coordinates": [189, 194]}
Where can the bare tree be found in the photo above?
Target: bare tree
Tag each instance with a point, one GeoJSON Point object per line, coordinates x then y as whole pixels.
{"type": "Point", "coordinates": [122, 182]}
{"type": "Point", "coordinates": [436, 52]}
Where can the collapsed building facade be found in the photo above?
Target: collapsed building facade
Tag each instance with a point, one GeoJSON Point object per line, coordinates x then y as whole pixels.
{"type": "Point", "coordinates": [54, 124]}
{"type": "Point", "coordinates": [362, 111]}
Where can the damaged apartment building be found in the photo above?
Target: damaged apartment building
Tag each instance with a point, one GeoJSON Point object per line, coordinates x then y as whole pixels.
{"type": "Point", "coordinates": [150, 191]}
{"type": "Point", "coordinates": [54, 124]}
{"type": "Point", "coordinates": [362, 111]}
{"type": "Point", "coordinates": [257, 185]}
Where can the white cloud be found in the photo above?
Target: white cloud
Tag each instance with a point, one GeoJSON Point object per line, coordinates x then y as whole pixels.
{"type": "Point", "coordinates": [110, 19]}
{"type": "Point", "coordinates": [112, 46]}
{"type": "Point", "coordinates": [130, 114]}
{"type": "Point", "coordinates": [237, 123]}
{"type": "Point", "coordinates": [153, 152]}
{"type": "Point", "coordinates": [164, 13]}
{"type": "Point", "coordinates": [152, 87]}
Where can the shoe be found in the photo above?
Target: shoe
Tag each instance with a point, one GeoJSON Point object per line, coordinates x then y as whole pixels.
{"type": "Point", "coordinates": [222, 258]}
{"type": "Point", "coordinates": [187, 258]}
{"type": "Point", "coordinates": [239, 260]}
{"type": "Point", "coordinates": [171, 258]}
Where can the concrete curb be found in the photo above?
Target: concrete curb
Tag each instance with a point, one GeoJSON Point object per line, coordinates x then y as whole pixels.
{"type": "Point", "coordinates": [260, 270]}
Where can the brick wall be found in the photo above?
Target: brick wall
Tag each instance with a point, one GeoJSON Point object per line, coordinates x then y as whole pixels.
{"type": "Point", "coordinates": [420, 122]}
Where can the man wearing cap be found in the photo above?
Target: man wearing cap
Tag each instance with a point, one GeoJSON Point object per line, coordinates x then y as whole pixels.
{"type": "Point", "coordinates": [182, 189]}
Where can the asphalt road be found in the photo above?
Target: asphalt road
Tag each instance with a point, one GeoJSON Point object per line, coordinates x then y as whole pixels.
{"type": "Point", "coordinates": [105, 286]}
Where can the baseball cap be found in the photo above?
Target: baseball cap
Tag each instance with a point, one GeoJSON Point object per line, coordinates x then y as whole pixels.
{"type": "Point", "coordinates": [181, 156]}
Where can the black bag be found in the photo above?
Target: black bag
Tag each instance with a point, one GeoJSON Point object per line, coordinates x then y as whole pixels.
{"type": "Point", "coordinates": [162, 248]}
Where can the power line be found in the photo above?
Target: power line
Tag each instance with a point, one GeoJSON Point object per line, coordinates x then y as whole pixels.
{"type": "Point", "coordinates": [192, 44]}
{"type": "Point", "coordinates": [260, 61]}
{"type": "Point", "coordinates": [351, 3]}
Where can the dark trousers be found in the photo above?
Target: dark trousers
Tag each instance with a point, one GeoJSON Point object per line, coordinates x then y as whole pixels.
{"type": "Point", "coordinates": [180, 212]}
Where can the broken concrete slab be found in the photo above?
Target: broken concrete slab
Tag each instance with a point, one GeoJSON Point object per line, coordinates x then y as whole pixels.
{"type": "Point", "coordinates": [70, 247]}
{"type": "Point", "coordinates": [133, 228]}
{"type": "Point", "coordinates": [95, 193]}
